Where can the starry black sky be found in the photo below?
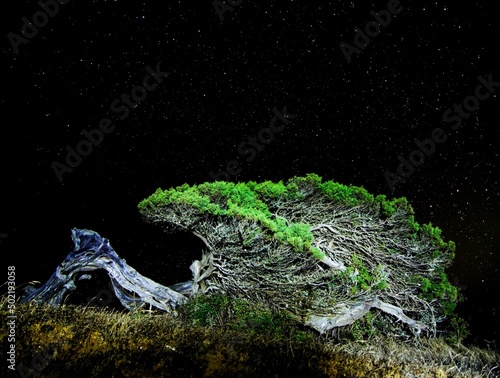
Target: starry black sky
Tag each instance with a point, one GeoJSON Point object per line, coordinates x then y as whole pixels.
{"type": "Point", "coordinates": [226, 74]}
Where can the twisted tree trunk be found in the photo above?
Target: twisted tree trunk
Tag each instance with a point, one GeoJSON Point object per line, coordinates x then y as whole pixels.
{"type": "Point", "coordinates": [326, 253]}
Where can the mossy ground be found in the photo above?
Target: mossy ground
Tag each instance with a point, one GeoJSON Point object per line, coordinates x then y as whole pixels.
{"type": "Point", "coordinates": [217, 337]}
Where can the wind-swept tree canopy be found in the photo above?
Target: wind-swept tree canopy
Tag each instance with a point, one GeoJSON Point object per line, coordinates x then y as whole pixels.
{"type": "Point", "coordinates": [328, 253]}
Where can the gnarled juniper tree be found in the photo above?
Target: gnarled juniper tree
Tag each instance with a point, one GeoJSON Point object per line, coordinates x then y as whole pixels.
{"type": "Point", "coordinates": [329, 254]}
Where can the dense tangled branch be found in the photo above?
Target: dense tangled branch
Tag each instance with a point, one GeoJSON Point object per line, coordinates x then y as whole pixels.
{"type": "Point", "coordinates": [326, 252]}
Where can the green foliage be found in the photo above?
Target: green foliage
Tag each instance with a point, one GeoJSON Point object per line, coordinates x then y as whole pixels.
{"type": "Point", "coordinates": [214, 197]}
{"type": "Point", "coordinates": [257, 202]}
{"type": "Point", "coordinates": [204, 310]}
{"type": "Point", "coordinates": [241, 200]}
{"type": "Point", "coordinates": [414, 226]}
{"type": "Point", "coordinates": [275, 190]}
{"type": "Point", "coordinates": [438, 287]}
{"type": "Point", "coordinates": [364, 328]}
{"type": "Point", "coordinates": [388, 208]}
{"type": "Point", "coordinates": [309, 179]}
{"type": "Point", "coordinates": [297, 234]}
{"type": "Point", "coordinates": [350, 195]}
{"type": "Point", "coordinates": [458, 330]}
{"type": "Point", "coordinates": [302, 336]}
{"type": "Point", "coordinates": [441, 247]}
{"type": "Point", "coordinates": [338, 192]}
{"type": "Point", "coordinates": [218, 310]}
{"type": "Point", "coordinates": [358, 275]}
{"type": "Point", "coordinates": [316, 252]}
{"type": "Point", "coordinates": [433, 232]}
{"type": "Point", "coordinates": [217, 188]}
{"type": "Point", "coordinates": [361, 278]}
{"type": "Point", "coordinates": [382, 285]}
{"type": "Point", "coordinates": [379, 279]}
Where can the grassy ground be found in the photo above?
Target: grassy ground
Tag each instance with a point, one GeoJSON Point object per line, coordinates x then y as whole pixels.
{"type": "Point", "coordinates": [216, 337]}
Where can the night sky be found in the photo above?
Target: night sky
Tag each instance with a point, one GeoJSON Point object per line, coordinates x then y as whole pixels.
{"type": "Point", "coordinates": [356, 108]}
